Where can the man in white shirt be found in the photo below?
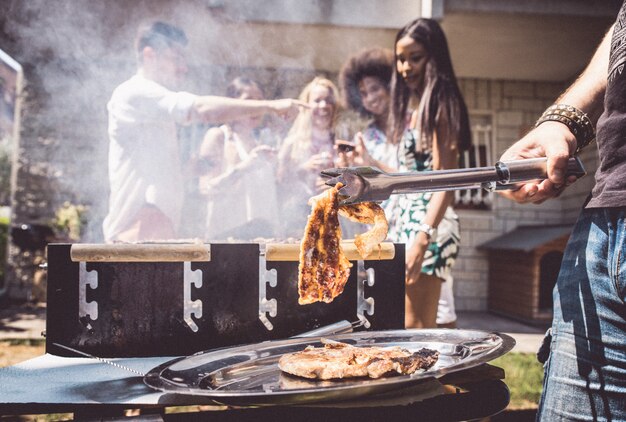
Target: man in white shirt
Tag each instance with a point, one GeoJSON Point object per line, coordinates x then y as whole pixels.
{"type": "Point", "coordinates": [145, 172]}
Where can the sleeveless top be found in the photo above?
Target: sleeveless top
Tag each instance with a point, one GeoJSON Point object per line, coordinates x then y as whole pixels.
{"type": "Point", "coordinates": [610, 187]}
{"type": "Point", "coordinates": [409, 210]}
{"type": "Point", "coordinates": [378, 147]}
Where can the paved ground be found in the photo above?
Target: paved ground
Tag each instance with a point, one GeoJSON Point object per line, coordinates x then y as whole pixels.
{"type": "Point", "coordinates": [22, 320]}
{"type": "Point", "coordinates": [28, 321]}
{"type": "Point", "coordinates": [528, 338]}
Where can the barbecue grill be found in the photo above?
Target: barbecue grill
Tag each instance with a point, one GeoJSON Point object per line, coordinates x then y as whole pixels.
{"type": "Point", "coordinates": [147, 325]}
{"type": "Point", "coordinates": [178, 299]}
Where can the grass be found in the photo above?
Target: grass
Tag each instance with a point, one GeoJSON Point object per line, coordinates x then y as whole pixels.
{"type": "Point", "coordinates": [18, 350]}
{"type": "Point", "coordinates": [524, 377]}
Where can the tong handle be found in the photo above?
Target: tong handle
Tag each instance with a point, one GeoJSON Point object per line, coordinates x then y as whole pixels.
{"type": "Point", "coordinates": [340, 327]}
{"type": "Point", "coordinates": [511, 173]}
{"type": "Point", "coordinates": [363, 184]}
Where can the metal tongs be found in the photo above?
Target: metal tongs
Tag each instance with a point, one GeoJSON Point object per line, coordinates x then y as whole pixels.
{"type": "Point", "coordinates": [370, 184]}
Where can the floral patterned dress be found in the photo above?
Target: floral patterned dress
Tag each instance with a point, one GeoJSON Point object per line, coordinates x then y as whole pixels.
{"type": "Point", "coordinates": [410, 210]}
{"type": "Point", "coordinates": [376, 143]}
{"type": "Point", "coordinates": [384, 152]}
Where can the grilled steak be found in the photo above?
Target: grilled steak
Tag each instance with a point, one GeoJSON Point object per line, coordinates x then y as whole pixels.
{"type": "Point", "coordinates": [324, 269]}
{"type": "Point", "coordinates": [367, 213]}
{"type": "Point", "coordinates": [340, 360]}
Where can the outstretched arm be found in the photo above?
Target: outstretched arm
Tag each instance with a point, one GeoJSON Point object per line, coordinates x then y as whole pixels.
{"type": "Point", "coordinates": [554, 139]}
{"type": "Point", "coordinates": [214, 109]}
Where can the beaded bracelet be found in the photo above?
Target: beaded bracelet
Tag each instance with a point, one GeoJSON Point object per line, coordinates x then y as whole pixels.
{"type": "Point", "coordinates": [576, 120]}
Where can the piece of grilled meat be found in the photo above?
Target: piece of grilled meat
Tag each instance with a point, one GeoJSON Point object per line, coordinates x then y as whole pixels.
{"type": "Point", "coordinates": [340, 360]}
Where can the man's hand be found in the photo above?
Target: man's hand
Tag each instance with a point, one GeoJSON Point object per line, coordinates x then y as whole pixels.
{"type": "Point", "coordinates": [554, 141]}
{"type": "Point", "coordinates": [287, 108]}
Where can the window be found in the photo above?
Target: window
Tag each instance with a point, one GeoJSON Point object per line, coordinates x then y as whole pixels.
{"type": "Point", "coordinates": [480, 154]}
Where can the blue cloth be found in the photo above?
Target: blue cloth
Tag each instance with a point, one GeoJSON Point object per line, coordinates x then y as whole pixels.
{"type": "Point", "coordinates": [585, 375]}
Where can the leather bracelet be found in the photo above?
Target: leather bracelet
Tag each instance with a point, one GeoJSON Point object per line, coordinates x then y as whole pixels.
{"type": "Point", "coordinates": [576, 120]}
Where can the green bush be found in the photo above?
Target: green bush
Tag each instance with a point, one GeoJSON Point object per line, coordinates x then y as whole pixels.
{"type": "Point", "coordinates": [5, 174]}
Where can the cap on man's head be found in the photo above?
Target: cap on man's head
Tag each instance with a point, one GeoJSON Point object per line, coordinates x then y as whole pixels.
{"type": "Point", "coordinates": [159, 35]}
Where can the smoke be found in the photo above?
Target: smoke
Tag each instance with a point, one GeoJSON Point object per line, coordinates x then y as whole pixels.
{"type": "Point", "coordinates": [75, 53]}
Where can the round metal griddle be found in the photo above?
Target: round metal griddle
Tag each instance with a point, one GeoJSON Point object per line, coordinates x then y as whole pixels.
{"type": "Point", "coordinates": [249, 374]}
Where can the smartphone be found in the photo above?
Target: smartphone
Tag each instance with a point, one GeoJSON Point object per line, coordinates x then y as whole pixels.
{"type": "Point", "coordinates": [344, 146]}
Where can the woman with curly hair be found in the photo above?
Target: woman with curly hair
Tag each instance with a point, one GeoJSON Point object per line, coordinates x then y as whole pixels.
{"type": "Point", "coordinates": [364, 82]}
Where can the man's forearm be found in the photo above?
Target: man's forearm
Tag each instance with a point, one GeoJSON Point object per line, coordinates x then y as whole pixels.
{"type": "Point", "coordinates": [213, 109]}
{"type": "Point", "coordinates": [587, 92]}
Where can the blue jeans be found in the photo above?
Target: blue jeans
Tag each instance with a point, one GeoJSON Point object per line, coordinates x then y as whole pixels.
{"type": "Point", "coordinates": [585, 374]}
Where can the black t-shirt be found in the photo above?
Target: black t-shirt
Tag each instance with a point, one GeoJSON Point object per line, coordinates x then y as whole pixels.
{"type": "Point", "coordinates": [610, 188]}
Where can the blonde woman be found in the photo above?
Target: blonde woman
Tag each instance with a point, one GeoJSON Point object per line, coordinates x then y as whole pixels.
{"type": "Point", "coordinates": [307, 149]}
